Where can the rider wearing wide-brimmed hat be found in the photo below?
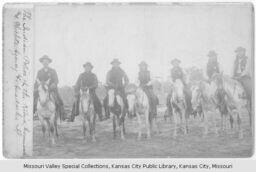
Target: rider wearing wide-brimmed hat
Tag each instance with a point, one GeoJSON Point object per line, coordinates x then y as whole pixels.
{"type": "Point", "coordinates": [212, 64]}
{"type": "Point", "coordinates": [48, 74]}
{"type": "Point", "coordinates": [145, 83]}
{"type": "Point", "coordinates": [242, 71]}
{"type": "Point", "coordinates": [241, 63]}
{"type": "Point", "coordinates": [89, 80]}
{"type": "Point", "coordinates": [176, 71]}
{"type": "Point", "coordinates": [117, 79]}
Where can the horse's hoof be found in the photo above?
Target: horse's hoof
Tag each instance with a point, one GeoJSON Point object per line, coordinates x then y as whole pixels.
{"type": "Point", "coordinates": [123, 138]}
{"type": "Point", "coordinates": [94, 140]}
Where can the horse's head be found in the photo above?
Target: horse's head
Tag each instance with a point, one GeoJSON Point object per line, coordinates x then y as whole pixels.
{"type": "Point", "coordinates": [217, 80]}
{"type": "Point", "coordinates": [131, 99]}
{"type": "Point", "coordinates": [43, 91]}
{"type": "Point", "coordinates": [111, 97]}
{"type": "Point", "coordinates": [85, 99]}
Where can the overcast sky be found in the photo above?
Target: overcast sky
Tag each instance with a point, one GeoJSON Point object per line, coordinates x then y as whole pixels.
{"type": "Point", "coordinates": [74, 34]}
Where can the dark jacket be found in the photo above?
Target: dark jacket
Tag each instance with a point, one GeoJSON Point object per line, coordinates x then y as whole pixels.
{"type": "Point", "coordinates": [212, 67]}
{"type": "Point", "coordinates": [50, 74]}
{"type": "Point", "coordinates": [86, 79]}
{"type": "Point", "coordinates": [240, 62]}
{"type": "Point", "coordinates": [177, 73]}
{"type": "Point", "coordinates": [144, 77]}
{"type": "Point", "coordinates": [117, 78]}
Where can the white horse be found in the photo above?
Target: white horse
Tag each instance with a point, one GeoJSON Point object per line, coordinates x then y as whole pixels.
{"type": "Point", "coordinates": [87, 113]}
{"type": "Point", "coordinates": [138, 102]}
{"type": "Point", "coordinates": [46, 110]}
{"type": "Point", "coordinates": [117, 110]}
{"type": "Point", "coordinates": [179, 106]}
{"type": "Point", "coordinates": [202, 94]}
{"type": "Point", "coordinates": [230, 93]}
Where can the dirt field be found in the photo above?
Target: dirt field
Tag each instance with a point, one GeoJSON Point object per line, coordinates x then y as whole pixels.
{"type": "Point", "coordinates": [70, 144]}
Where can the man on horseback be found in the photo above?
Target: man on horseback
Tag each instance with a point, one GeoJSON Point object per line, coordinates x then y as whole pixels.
{"type": "Point", "coordinates": [177, 73]}
{"type": "Point", "coordinates": [48, 74]}
{"type": "Point", "coordinates": [87, 79]}
{"type": "Point", "coordinates": [117, 80]}
{"type": "Point", "coordinates": [242, 71]}
{"type": "Point", "coordinates": [144, 79]}
{"type": "Point", "coordinates": [212, 64]}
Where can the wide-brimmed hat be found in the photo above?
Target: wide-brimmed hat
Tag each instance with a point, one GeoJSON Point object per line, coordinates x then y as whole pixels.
{"type": "Point", "coordinates": [115, 61]}
{"type": "Point", "coordinates": [88, 64]}
{"type": "Point", "coordinates": [45, 57]}
{"type": "Point", "coordinates": [212, 53]}
{"type": "Point", "coordinates": [175, 60]}
{"type": "Point", "coordinates": [239, 49]}
{"type": "Point", "coordinates": [143, 63]}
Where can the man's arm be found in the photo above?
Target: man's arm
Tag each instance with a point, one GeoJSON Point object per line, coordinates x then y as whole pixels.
{"type": "Point", "coordinates": [126, 79]}
{"type": "Point", "coordinates": [55, 79]}
{"type": "Point", "coordinates": [78, 84]}
{"type": "Point", "coordinates": [95, 81]}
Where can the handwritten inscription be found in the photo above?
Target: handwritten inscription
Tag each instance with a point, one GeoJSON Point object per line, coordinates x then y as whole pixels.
{"type": "Point", "coordinates": [21, 44]}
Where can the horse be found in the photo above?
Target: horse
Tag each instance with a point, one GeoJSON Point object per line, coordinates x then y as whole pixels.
{"type": "Point", "coordinates": [46, 111]}
{"type": "Point", "coordinates": [179, 106]}
{"type": "Point", "coordinates": [230, 98]}
{"type": "Point", "coordinates": [138, 102]}
{"type": "Point", "coordinates": [202, 100]}
{"type": "Point", "coordinates": [116, 108]}
{"type": "Point", "coordinates": [87, 113]}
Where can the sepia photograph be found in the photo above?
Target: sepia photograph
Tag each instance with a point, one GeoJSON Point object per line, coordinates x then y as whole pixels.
{"type": "Point", "coordinates": [170, 80]}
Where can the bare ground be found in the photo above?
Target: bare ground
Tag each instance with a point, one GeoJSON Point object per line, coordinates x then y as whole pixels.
{"type": "Point", "coordinates": [71, 145]}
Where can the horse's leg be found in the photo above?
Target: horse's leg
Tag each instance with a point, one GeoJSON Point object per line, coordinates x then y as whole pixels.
{"type": "Point", "coordinates": [84, 128]}
{"type": "Point", "coordinates": [93, 127]}
{"type": "Point", "coordinates": [42, 121]}
{"type": "Point", "coordinates": [186, 123]}
{"type": "Point", "coordinates": [231, 121]}
{"type": "Point", "coordinates": [121, 126]}
{"type": "Point", "coordinates": [248, 107]}
{"type": "Point", "coordinates": [114, 126]}
{"type": "Point", "coordinates": [139, 126]}
{"type": "Point", "coordinates": [154, 122]}
{"type": "Point", "coordinates": [52, 130]}
{"type": "Point", "coordinates": [206, 124]}
{"type": "Point", "coordinates": [239, 122]}
{"type": "Point", "coordinates": [226, 122]}
{"type": "Point", "coordinates": [55, 127]}
{"type": "Point", "coordinates": [175, 121]}
{"type": "Point", "coordinates": [43, 129]}
{"type": "Point", "coordinates": [147, 120]}
{"type": "Point", "coordinates": [222, 122]}
{"type": "Point", "coordinates": [122, 122]}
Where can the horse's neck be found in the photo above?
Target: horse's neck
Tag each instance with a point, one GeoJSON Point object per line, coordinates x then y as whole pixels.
{"type": "Point", "coordinates": [141, 95]}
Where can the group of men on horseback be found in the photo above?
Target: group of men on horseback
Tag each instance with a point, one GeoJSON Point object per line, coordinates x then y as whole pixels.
{"type": "Point", "coordinates": [117, 79]}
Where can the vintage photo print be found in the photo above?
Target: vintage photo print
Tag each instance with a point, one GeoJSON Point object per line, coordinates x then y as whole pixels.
{"type": "Point", "coordinates": [167, 80]}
